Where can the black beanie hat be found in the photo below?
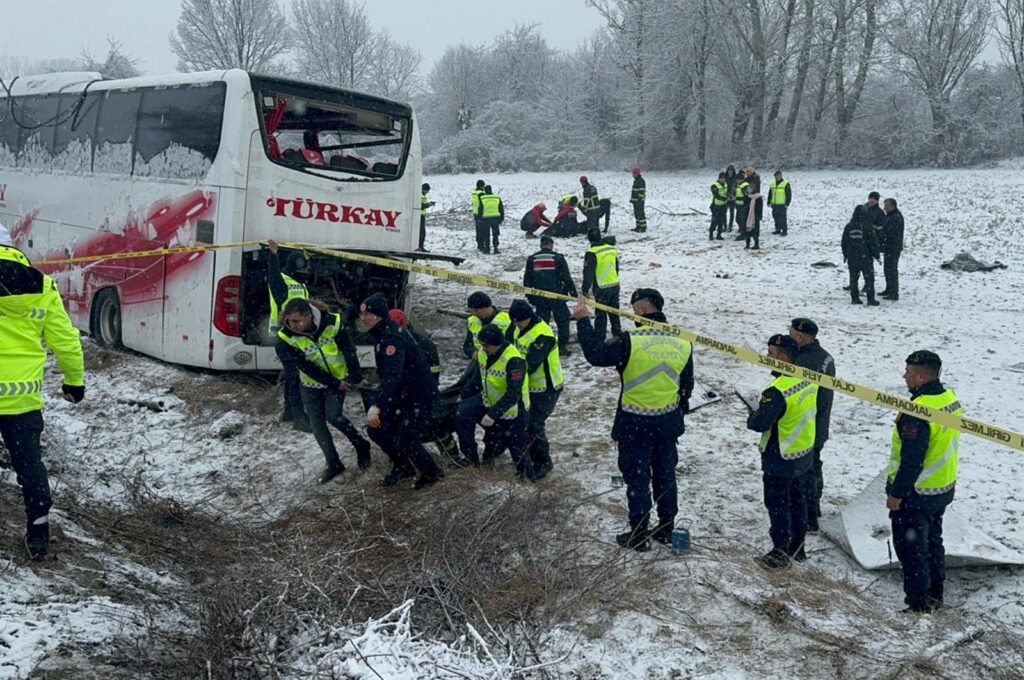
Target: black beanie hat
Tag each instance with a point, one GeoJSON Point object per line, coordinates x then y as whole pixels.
{"type": "Point", "coordinates": [786, 344]}
{"type": "Point", "coordinates": [648, 294]}
{"type": "Point", "coordinates": [479, 300]}
{"type": "Point", "coordinates": [491, 335]}
{"type": "Point", "coordinates": [377, 305]}
{"type": "Point", "coordinates": [594, 235]}
{"type": "Point", "coordinates": [520, 310]}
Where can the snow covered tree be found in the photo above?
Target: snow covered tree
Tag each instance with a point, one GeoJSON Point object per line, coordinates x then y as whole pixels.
{"type": "Point", "coordinates": [1010, 36]}
{"type": "Point", "coordinates": [395, 69]}
{"type": "Point", "coordinates": [334, 42]}
{"type": "Point", "coordinates": [213, 34]}
{"type": "Point", "coordinates": [116, 64]}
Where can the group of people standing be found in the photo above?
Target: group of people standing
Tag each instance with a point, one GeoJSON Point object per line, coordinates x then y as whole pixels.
{"type": "Point", "coordinates": [567, 223]}
{"type": "Point", "coordinates": [871, 234]}
{"type": "Point", "coordinates": [736, 198]}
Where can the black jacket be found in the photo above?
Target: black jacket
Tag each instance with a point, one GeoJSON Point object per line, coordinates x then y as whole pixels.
{"type": "Point", "coordinates": [344, 341]}
{"type": "Point", "coordinates": [405, 379]}
{"type": "Point", "coordinates": [766, 418]}
{"type": "Point", "coordinates": [860, 244]}
{"type": "Point", "coordinates": [812, 356]}
{"type": "Point", "coordinates": [429, 348]}
{"type": "Point", "coordinates": [639, 192]}
{"type": "Point", "coordinates": [588, 191]}
{"type": "Point", "coordinates": [892, 233]}
{"type": "Point", "coordinates": [548, 270]}
{"type": "Point", "coordinates": [278, 288]}
{"type": "Point", "coordinates": [616, 353]}
{"type": "Point", "coordinates": [914, 435]}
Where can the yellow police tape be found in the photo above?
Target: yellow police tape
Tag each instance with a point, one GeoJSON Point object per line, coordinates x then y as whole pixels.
{"type": "Point", "coordinates": [977, 428]}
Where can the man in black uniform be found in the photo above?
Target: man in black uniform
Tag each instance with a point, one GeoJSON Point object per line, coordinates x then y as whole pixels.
{"type": "Point", "coordinates": [814, 357]}
{"type": "Point", "coordinates": [548, 270]}
{"type": "Point", "coordinates": [424, 342]}
{"type": "Point", "coordinates": [656, 369]}
{"type": "Point", "coordinates": [860, 250]}
{"type": "Point", "coordinates": [638, 197]}
{"type": "Point", "coordinates": [403, 405]}
{"type": "Point", "coordinates": [590, 204]}
{"type": "Point", "coordinates": [892, 247]}
{"type": "Point", "coordinates": [874, 215]}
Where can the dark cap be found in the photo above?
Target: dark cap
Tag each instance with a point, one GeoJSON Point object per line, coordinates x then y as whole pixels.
{"type": "Point", "coordinates": [875, 195]}
{"type": "Point", "coordinates": [546, 239]}
{"type": "Point", "coordinates": [520, 310]}
{"type": "Point", "coordinates": [778, 172]}
{"type": "Point", "coordinates": [296, 262]}
{"type": "Point", "coordinates": [480, 184]}
{"type": "Point", "coordinates": [805, 326]}
{"type": "Point", "coordinates": [594, 235]}
{"type": "Point", "coordinates": [786, 344]}
{"type": "Point", "coordinates": [377, 305]}
{"type": "Point", "coordinates": [491, 335]}
{"type": "Point", "coordinates": [479, 300]}
{"type": "Point", "coordinates": [648, 294]}
{"type": "Point", "coordinates": [924, 357]}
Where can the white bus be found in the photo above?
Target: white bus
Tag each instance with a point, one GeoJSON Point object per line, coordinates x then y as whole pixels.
{"type": "Point", "coordinates": [90, 166]}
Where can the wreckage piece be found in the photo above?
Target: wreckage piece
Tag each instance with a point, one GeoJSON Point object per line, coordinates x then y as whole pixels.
{"type": "Point", "coordinates": [965, 262]}
{"type": "Point", "coordinates": [862, 529]}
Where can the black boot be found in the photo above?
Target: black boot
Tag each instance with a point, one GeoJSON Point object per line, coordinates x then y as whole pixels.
{"type": "Point", "coordinates": [331, 471]}
{"type": "Point", "coordinates": [37, 541]}
{"type": "Point", "coordinates": [856, 301]}
{"type": "Point", "coordinates": [663, 534]}
{"type": "Point", "coordinates": [872, 302]}
{"type": "Point", "coordinates": [637, 539]}
{"type": "Point", "coordinates": [775, 559]}
{"type": "Point", "coordinates": [423, 481]}
{"type": "Point", "coordinates": [363, 455]}
{"type": "Point", "coordinates": [396, 475]}
{"type": "Point", "coordinates": [301, 423]}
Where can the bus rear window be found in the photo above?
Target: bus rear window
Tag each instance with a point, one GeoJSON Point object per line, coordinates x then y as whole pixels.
{"type": "Point", "coordinates": [335, 138]}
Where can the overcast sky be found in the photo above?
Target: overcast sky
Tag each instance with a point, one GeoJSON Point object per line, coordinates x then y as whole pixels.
{"type": "Point", "coordinates": [42, 29]}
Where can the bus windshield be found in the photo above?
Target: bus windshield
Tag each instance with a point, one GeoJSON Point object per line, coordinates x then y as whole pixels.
{"type": "Point", "coordinates": [332, 133]}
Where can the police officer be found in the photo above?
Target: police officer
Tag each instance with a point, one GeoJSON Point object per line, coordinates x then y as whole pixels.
{"type": "Point", "coordinates": [892, 248]}
{"type": "Point", "coordinates": [424, 342]}
{"type": "Point", "coordinates": [922, 482]}
{"type": "Point", "coordinates": [874, 215]}
{"type": "Point", "coordinates": [481, 312]}
{"type": "Point", "coordinates": [860, 250]}
{"type": "Point", "coordinates": [403, 405]}
{"type": "Point", "coordinates": [590, 204]}
{"type": "Point", "coordinates": [780, 195]}
{"type": "Point", "coordinates": [785, 419]}
{"type": "Point", "coordinates": [328, 367]}
{"type": "Point", "coordinates": [548, 270]}
{"type": "Point", "coordinates": [31, 311]}
{"type": "Point", "coordinates": [425, 204]}
{"type": "Point", "coordinates": [601, 273]}
{"type": "Point", "coordinates": [719, 200]}
{"type": "Point", "coordinates": [471, 406]}
{"type": "Point", "coordinates": [284, 286]}
{"type": "Point", "coordinates": [481, 234]}
{"type": "Point", "coordinates": [742, 204]}
{"type": "Point", "coordinates": [638, 196]}
{"type": "Point", "coordinates": [492, 214]}
{"type": "Point", "coordinates": [536, 342]}
{"type": "Point", "coordinates": [656, 369]}
{"type": "Point", "coordinates": [813, 356]}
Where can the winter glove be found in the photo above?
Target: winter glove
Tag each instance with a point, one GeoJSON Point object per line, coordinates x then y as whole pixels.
{"type": "Point", "coordinates": [487, 421]}
{"type": "Point", "coordinates": [73, 393]}
{"type": "Point", "coordinates": [373, 416]}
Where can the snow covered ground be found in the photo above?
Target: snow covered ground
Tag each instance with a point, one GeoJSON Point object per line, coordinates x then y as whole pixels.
{"type": "Point", "coordinates": [208, 442]}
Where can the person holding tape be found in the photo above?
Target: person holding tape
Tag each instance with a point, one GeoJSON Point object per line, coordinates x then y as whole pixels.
{"type": "Point", "coordinates": [601, 273]}
{"type": "Point", "coordinates": [922, 482]}
{"type": "Point", "coordinates": [785, 419]}
{"type": "Point", "coordinates": [656, 370]}
{"type": "Point", "coordinates": [284, 284]}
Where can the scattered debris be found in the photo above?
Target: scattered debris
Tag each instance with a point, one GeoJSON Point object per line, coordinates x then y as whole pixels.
{"type": "Point", "coordinates": [824, 264]}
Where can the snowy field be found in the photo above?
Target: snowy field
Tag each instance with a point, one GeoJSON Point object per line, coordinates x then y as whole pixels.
{"type": "Point", "coordinates": [186, 436]}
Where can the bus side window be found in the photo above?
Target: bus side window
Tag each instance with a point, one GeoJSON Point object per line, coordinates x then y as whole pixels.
{"type": "Point", "coordinates": [35, 116]}
{"type": "Point", "coordinates": [179, 131]}
{"type": "Point", "coordinates": [72, 144]}
{"type": "Point", "coordinates": [115, 132]}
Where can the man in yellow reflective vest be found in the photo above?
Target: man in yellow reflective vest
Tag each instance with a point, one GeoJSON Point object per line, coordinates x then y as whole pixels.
{"type": "Point", "coordinates": [536, 342]}
{"type": "Point", "coordinates": [656, 370]}
{"type": "Point", "coordinates": [785, 417]}
{"type": "Point", "coordinates": [922, 481]}
{"type": "Point", "coordinates": [285, 286]}
{"type": "Point", "coordinates": [601, 273]}
{"type": "Point", "coordinates": [474, 202]}
{"type": "Point", "coordinates": [492, 214]}
{"type": "Point", "coordinates": [742, 204]}
{"type": "Point", "coordinates": [719, 200]}
{"type": "Point", "coordinates": [31, 311]}
{"type": "Point", "coordinates": [780, 195]}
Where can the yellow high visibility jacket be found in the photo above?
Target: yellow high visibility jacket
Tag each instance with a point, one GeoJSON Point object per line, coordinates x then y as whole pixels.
{"type": "Point", "coordinates": [796, 426]}
{"type": "Point", "coordinates": [295, 290]}
{"type": "Point", "coordinates": [552, 366]}
{"type": "Point", "coordinates": [650, 380]}
{"type": "Point", "coordinates": [940, 460]}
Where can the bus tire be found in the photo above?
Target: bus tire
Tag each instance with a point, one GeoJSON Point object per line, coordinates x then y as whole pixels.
{"type": "Point", "coordinates": [105, 322]}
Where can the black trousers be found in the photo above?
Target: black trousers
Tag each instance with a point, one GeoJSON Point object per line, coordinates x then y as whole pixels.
{"type": "Point", "coordinates": [399, 437]}
{"type": "Point", "coordinates": [648, 459]}
{"type": "Point", "coordinates": [779, 218]}
{"type": "Point", "coordinates": [469, 413]}
{"type": "Point", "coordinates": [546, 308]}
{"type": "Point", "coordinates": [290, 377]}
{"type": "Point", "coordinates": [753, 233]}
{"type": "Point", "coordinates": [891, 268]}
{"type": "Point", "coordinates": [542, 404]}
{"type": "Point", "coordinates": [867, 269]}
{"type": "Point", "coordinates": [610, 297]}
{"type": "Point", "coordinates": [639, 215]}
{"type": "Point", "coordinates": [593, 218]}
{"type": "Point", "coordinates": [325, 406]}
{"type": "Point", "coordinates": [815, 483]}
{"type": "Point", "coordinates": [730, 208]}
{"type": "Point", "coordinates": [423, 230]}
{"type": "Point", "coordinates": [21, 437]}
{"type": "Point", "coordinates": [482, 234]}
{"type": "Point", "coordinates": [786, 501]}
{"type": "Point", "coordinates": [717, 221]}
{"type": "Point", "coordinates": [606, 212]}
{"type": "Point", "coordinates": [741, 218]}
{"type": "Point", "coordinates": [510, 434]}
{"type": "Point", "coordinates": [917, 540]}
{"type": "Point", "coordinates": [491, 232]}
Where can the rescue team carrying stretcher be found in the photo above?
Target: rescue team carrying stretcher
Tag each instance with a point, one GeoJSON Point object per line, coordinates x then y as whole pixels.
{"type": "Point", "coordinates": [511, 386]}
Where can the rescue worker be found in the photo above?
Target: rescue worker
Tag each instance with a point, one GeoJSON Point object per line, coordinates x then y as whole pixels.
{"type": "Point", "coordinates": [813, 356]}
{"type": "Point", "coordinates": [656, 370]}
{"type": "Point", "coordinates": [601, 273]}
{"type": "Point", "coordinates": [536, 342]}
{"type": "Point", "coordinates": [482, 237]}
{"type": "Point", "coordinates": [590, 204]}
{"type": "Point", "coordinates": [755, 208]}
{"type": "Point", "coordinates": [860, 249]}
{"type": "Point", "coordinates": [328, 368]}
{"type": "Point", "coordinates": [730, 183]}
{"type": "Point", "coordinates": [922, 482]}
{"type": "Point", "coordinates": [785, 419]}
{"type": "Point", "coordinates": [283, 287]}
{"type": "Point", "coordinates": [892, 248]}
{"type": "Point", "coordinates": [31, 312]}
{"type": "Point", "coordinates": [425, 204]}
{"type": "Point", "coordinates": [874, 215]}
{"type": "Point", "coordinates": [780, 195]}
{"type": "Point", "coordinates": [638, 196]}
{"type": "Point", "coordinates": [548, 270]}
{"type": "Point", "coordinates": [534, 219]}
{"type": "Point", "coordinates": [403, 405]}
{"type": "Point", "coordinates": [424, 342]}
{"type": "Point", "coordinates": [719, 201]}
{"type": "Point", "coordinates": [565, 222]}
{"type": "Point", "coordinates": [471, 409]}
{"type": "Point", "coordinates": [492, 214]}
{"type": "Point", "coordinates": [742, 203]}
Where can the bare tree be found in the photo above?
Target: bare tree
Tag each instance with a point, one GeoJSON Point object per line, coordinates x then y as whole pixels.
{"type": "Point", "coordinates": [458, 85]}
{"type": "Point", "coordinates": [395, 68]}
{"type": "Point", "coordinates": [334, 41]}
{"type": "Point", "coordinates": [702, 38]}
{"type": "Point", "coordinates": [116, 64]}
{"type": "Point", "coordinates": [847, 100]}
{"type": "Point", "coordinates": [522, 59]}
{"type": "Point", "coordinates": [212, 34]}
{"type": "Point", "coordinates": [1010, 36]}
{"type": "Point", "coordinates": [803, 64]}
{"type": "Point", "coordinates": [936, 43]}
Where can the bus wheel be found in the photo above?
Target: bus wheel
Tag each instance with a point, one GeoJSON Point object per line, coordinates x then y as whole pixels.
{"type": "Point", "coordinates": [106, 319]}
